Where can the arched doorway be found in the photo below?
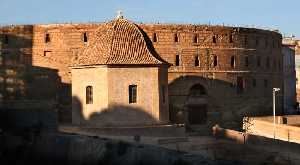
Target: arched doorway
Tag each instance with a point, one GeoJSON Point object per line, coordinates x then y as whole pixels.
{"type": "Point", "coordinates": [196, 105]}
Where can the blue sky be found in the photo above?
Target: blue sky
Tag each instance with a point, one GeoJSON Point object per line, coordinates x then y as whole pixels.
{"type": "Point", "coordinates": [273, 14]}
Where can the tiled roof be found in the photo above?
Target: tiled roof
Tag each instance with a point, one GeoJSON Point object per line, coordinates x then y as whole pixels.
{"type": "Point", "coordinates": [118, 42]}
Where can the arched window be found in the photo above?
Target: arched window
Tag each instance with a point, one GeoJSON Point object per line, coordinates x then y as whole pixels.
{"type": "Point", "coordinates": [232, 62]}
{"type": "Point", "coordinates": [215, 61]}
{"type": "Point", "coordinates": [177, 60]}
{"type": "Point", "coordinates": [89, 95]}
{"type": "Point", "coordinates": [195, 38]}
{"type": "Point", "coordinates": [154, 37]}
{"type": "Point", "coordinates": [214, 39]}
{"type": "Point", "coordinates": [132, 89]}
{"type": "Point", "coordinates": [176, 39]}
{"type": "Point", "coordinates": [85, 37]}
{"type": "Point", "coordinates": [197, 61]}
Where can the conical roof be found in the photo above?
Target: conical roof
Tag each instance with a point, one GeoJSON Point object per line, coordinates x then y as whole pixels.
{"type": "Point", "coordinates": [118, 42]}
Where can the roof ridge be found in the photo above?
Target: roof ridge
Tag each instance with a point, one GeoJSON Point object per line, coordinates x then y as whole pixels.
{"type": "Point", "coordinates": [112, 40]}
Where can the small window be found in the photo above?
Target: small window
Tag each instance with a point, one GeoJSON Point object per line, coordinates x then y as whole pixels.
{"type": "Point", "coordinates": [176, 39]}
{"type": "Point", "coordinates": [246, 40]}
{"type": "Point", "coordinates": [132, 93]}
{"type": "Point", "coordinates": [89, 95]}
{"type": "Point", "coordinates": [5, 39]}
{"type": "Point", "coordinates": [197, 61]}
{"type": "Point", "coordinates": [232, 62]}
{"type": "Point", "coordinates": [276, 44]}
{"type": "Point", "coordinates": [240, 85]}
{"type": "Point", "coordinates": [246, 61]}
{"type": "Point", "coordinates": [85, 37]}
{"type": "Point", "coordinates": [254, 82]}
{"type": "Point", "coordinates": [214, 39]}
{"type": "Point", "coordinates": [230, 38]}
{"type": "Point", "coordinates": [258, 61]}
{"type": "Point", "coordinates": [47, 38]}
{"type": "Point", "coordinates": [154, 37]}
{"type": "Point", "coordinates": [266, 83]}
{"type": "Point", "coordinates": [163, 90]}
{"type": "Point", "coordinates": [256, 41]}
{"type": "Point", "coordinates": [177, 60]}
{"type": "Point", "coordinates": [195, 38]}
{"type": "Point", "coordinates": [268, 62]}
{"type": "Point", "coordinates": [215, 61]}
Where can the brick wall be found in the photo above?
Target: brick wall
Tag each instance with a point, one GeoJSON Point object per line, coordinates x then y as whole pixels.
{"type": "Point", "coordinates": [220, 81]}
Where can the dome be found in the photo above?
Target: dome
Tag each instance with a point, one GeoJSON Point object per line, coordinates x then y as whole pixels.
{"type": "Point", "coordinates": [118, 42]}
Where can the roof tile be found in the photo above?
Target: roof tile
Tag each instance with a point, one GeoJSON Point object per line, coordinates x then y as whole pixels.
{"type": "Point", "coordinates": [118, 42]}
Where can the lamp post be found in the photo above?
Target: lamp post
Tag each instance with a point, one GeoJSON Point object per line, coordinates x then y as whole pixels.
{"type": "Point", "coordinates": [274, 114]}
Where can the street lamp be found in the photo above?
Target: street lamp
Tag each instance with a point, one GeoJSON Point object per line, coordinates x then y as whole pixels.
{"type": "Point", "coordinates": [274, 90]}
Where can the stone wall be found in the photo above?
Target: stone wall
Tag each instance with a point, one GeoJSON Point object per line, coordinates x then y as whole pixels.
{"type": "Point", "coordinates": [97, 78]}
{"type": "Point", "coordinates": [111, 105]}
{"type": "Point", "coordinates": [245, 46]}
{"type": "Point", "coordinates": [284, 129]}
{"type": "Point", "coordinates": [233, 91]}
{"type": "Point", "coordinates": [72, 149]}
{"type": "Point", "coordinates": [20, 78]}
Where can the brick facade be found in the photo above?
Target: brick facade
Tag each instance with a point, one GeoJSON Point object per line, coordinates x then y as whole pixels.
{"type": "Point", "coordinates": [233, 91]}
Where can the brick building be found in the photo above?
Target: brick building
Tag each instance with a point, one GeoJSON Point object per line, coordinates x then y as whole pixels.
{"type": "Point", "coordinates": [289, 74]}
{"type": "Point", "coordinates": [218, 73]}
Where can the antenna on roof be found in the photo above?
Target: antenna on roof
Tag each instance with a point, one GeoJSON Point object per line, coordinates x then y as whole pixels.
{"type": "Point", "coordinates": [119, 14]}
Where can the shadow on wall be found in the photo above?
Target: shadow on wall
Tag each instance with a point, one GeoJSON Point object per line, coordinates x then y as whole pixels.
{"type": "Point", "coordinates": [150, 45]}
{"type": "Point", "coordinates": [20, 80]}
{"type": "Point", "coordinates": [116, 115]}
{"type": "Point", "coordinates": [26, 87]}
{"type": "Point", "coordinates": [226, 102]}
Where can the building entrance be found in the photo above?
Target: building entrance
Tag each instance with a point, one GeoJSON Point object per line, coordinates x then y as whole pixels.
{"type": "Point", "coordinates": [196, 105]}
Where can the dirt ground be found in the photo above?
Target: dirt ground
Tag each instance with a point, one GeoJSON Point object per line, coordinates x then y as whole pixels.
{"type": "Point", "coordinates": [214, 148]}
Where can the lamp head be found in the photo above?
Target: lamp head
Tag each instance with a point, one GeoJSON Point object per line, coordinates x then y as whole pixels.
{"type": "Point", "coordinates": [276, 89]}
